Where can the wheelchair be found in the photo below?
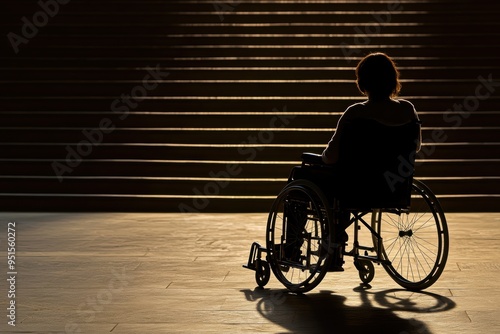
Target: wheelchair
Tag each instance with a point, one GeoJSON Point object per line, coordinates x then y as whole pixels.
{"type": "Point", "coordinates": [404, 226]}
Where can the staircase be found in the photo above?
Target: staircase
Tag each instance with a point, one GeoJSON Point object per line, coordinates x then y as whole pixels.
{"type": "Point", "coordinates": [206, 105]}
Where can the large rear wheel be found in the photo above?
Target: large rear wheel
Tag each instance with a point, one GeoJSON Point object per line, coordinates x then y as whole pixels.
{"type": "Point", "coordinates": [415, 242]}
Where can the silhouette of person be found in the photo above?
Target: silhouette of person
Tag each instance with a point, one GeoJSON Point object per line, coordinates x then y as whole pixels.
{"type": "Point", "coordinates": [378, 78]}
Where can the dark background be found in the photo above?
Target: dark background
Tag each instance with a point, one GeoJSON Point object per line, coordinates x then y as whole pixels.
{"type": "Point", "coordinates": [242, 88]}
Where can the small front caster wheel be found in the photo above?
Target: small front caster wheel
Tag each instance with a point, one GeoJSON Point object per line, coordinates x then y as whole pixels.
{"type": "Point", "coordinates": [262, 273]}
{"type": "Point", "coordinates": [366, 271]}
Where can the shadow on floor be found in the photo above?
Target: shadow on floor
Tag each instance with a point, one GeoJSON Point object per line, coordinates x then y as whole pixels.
{"type": "Point", "coordinates": [326, 312]}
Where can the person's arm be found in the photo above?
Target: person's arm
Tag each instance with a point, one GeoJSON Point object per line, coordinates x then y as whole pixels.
{"type": "Point", "coordinates": [331, 152]}
{"type": "Point", "coordinates": [419, 135]}
{"type": "Point", "coordinates": [414, 115]}
{"type": "Point", "coordinates": [419, 139]}
{"type": "Point", "coordinates": [330, 155]}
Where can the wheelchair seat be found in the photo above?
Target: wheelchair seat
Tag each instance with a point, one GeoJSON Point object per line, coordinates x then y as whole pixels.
{"type": "Point", "coordinates": [375, 166]}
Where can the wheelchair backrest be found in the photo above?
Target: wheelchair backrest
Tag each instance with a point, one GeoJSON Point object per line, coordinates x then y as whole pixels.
{"type": "Point", "coordinates": [376, 164]}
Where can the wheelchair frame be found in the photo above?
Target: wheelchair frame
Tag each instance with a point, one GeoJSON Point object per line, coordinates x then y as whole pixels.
{"type": "Point", "coordinates": [404, 269]}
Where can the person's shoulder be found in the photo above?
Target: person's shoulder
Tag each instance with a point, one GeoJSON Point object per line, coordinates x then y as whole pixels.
{"type": "Point", "coordinates": [409, 108]}
{"type": "Point", "coordinates": [357, 106]}
{"type": "Point", "coordinates": [406, 104]}
{"type": "Point", "coordinates": [355, 110]}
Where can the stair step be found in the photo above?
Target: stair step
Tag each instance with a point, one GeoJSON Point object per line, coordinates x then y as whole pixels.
{"type": "Point", "coordinates": [227, 104]}
{"type": "Point", "coordinates": [165, 203]}
{"type": "Point", "coordinates": [361, 29]}
{"type": "Point", "coordinates": [128, 65]}
{"type": "Point", "coordinates": [78, 121]}
{"type": "Point", "coordinates": [298, 50]}
{"type": "Point", "coordinates": [222, 168]}
{"type": "Point", "coordinates": [246, 151]}
{"type": "Point", "coordinates": [208, 186]}
{"type": "Point", "coordinates": [222, 136]}
{"type": "Point", "coordinates": [238, 71]}
{"type": "Point", "coordinates": [238, 89]}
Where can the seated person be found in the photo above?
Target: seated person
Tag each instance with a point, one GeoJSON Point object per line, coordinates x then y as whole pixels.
{"type": "Point", "coordinates": [378, 79]}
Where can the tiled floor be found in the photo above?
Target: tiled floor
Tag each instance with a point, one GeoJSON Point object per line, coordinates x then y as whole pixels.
{"type": "Point", "coordinates": [182, 273]}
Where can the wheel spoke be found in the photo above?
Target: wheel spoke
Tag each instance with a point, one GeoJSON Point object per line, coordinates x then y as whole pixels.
{"type": "Point", "coordinates": [424, 223]}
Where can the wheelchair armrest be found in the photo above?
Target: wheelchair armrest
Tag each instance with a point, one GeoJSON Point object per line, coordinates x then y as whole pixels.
{"type": "Point", "coordinates": [312, 158]}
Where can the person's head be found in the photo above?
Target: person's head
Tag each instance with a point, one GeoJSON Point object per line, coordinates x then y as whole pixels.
{"type": "Point", "coordinates": [377, 76]}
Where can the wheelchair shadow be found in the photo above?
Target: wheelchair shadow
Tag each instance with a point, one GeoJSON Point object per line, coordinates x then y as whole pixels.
{"type": "Point", "coordinates": [326, 312]}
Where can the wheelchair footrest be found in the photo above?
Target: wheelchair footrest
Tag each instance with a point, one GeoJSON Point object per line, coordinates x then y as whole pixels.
{"type": "Point", "coordinates": [255, 254]}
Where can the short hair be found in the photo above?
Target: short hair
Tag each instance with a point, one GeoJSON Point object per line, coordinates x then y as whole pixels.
{"type": "Point", "coordinates": [377, 74]}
